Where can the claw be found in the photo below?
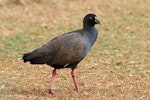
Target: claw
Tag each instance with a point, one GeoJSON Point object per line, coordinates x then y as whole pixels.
{"type": "Point", "coordinates": [51, 92]}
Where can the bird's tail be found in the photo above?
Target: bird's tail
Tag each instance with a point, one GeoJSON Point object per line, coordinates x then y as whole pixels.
{"type": "Point", "coordinates": [26, 57]}
{"type": "Point", "coordinates": [33, 58]}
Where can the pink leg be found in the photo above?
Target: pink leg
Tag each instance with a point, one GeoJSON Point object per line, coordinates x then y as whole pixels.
{"type": "Point", "coordinates": [52, 81]}
{"type": "Point", "coordinates": [74, 80]}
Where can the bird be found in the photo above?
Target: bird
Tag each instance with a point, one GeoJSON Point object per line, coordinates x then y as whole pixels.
{"type": "Point", "coordinates": [66, 50]}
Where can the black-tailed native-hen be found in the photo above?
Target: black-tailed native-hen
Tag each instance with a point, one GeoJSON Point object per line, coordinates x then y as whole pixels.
{"type": "Point", "coordinates": [66, 50]}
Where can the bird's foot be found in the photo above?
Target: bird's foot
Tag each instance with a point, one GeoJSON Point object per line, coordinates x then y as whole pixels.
{"type": "Point", "coordinates": [77, 90]}
{"type": "Point", "coordinates": [51, 92]}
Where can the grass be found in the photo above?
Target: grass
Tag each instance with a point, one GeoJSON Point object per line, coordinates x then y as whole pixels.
{"type": "Point", "coordinates": [116, 68]}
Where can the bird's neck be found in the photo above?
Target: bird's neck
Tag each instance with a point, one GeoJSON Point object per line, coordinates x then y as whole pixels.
{"type": "Point", "coordinates": [87, 26]}
{"type": "Point", "coordinates": [90, 29]}
{"type": "Point", "coordinates": [90, 33]}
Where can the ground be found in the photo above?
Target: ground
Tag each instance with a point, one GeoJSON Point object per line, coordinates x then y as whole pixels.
{"type": "Point", "coordinates": [116, 68]}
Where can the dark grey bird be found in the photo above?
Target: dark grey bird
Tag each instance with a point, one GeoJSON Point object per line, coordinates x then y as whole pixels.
{"type": "Point", "coordinates": [66, 50]}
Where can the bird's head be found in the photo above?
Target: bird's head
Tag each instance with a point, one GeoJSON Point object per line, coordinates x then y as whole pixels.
{"type": "Point", "coordinates": [90, 20]}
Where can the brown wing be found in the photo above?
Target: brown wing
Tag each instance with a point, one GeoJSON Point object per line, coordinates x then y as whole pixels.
{"type": "Point", "coordinates": [65, 49]}
{"type": "Point", "coordinates": [69, 49]}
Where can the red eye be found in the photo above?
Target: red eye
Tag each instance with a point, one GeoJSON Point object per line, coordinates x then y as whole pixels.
{"type": "Point", "coordinates": [91, 18]}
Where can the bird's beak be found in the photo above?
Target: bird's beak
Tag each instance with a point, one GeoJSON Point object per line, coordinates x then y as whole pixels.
{"type": "Point", "coordinates": [97, 21]}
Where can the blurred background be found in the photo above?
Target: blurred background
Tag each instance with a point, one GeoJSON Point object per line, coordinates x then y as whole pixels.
{"type": "Point", "coordinates": [117, 67]}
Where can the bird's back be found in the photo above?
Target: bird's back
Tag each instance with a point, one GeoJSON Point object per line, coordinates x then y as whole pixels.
{"type": "Point", "coordinates": [63, 50]}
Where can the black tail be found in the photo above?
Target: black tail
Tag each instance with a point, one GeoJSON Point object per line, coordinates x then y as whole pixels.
{"type": "Point", "coordinates": [34, 58]}
{"type": "Point", "coordinates": [26, 57]}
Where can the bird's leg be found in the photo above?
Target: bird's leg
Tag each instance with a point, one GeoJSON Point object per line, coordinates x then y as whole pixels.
{"type": "Point", "coordinates": [52, 81]}
{"type": "Point", "coordinates": [74, 79]}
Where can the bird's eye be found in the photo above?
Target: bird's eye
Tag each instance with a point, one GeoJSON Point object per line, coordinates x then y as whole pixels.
{"type": "Point", "coordinates": [91, 18]}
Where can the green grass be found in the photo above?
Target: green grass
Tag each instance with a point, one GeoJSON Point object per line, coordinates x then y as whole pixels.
{"type": "Point", "coordinates": [117, 67]}
{"type": "Point", "coordinates": [17, 44]}
{"type": "Point", "coordinates": [1, 97]}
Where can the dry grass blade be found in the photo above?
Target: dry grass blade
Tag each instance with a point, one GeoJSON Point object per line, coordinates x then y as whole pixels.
{"type": "Point", "coordinates": [117, 67]}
